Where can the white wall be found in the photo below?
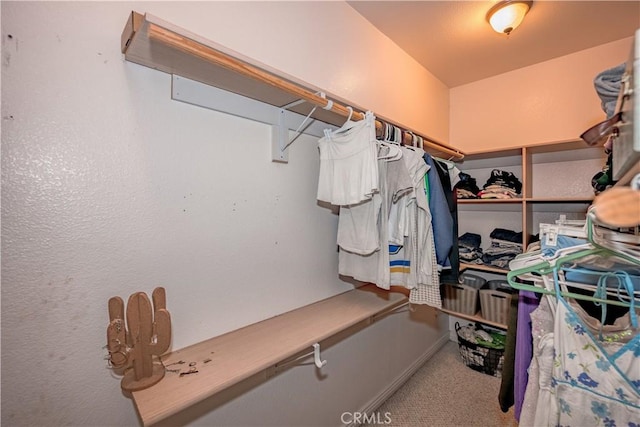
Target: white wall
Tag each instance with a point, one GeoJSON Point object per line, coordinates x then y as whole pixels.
{"type": "Point", "coordinates": [109, 187]}
{"type": "Point", "coordinates": [327, 44]}
{"type": "Point", "coordinates": [551, 101]}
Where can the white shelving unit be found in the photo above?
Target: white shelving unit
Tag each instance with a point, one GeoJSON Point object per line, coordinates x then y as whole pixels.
{"type": "Point", "coordinates": [556, 180]}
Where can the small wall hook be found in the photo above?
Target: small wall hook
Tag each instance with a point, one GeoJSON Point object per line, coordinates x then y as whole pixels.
{"type": "Point", "coordinates": [316, 356]}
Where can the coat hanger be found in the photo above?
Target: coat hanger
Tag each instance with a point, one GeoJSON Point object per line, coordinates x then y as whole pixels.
{"type": "Point", "coordinates": [547, 268]}
{"type": "Point", "coordinates": [416, 142]}
{"type": "Point", "coordinates": [413, 146]}
{"type": "Point", "coordinates": [537, 257]}
{"type": "Point", "coordinates": [448, 161]}
{"type": "Point", "coordinates": [549, 234]}
{"type": "Point", "coordinates": [394, 152]}
{"type": "Point", "coordinates": [550, 231]}
{"type": "Point", "coordinates": [628, 244]}
{"type": "Point", "coordinates": [348, 124]}
{"type": "Point", "coordinates": [550, 266]}
{"type": "Point", "coordinates": [599, 275]}
{"type": "Point", "coordinates": [602, 286]}
{"type": "Point", "coordinates": [579, 229]}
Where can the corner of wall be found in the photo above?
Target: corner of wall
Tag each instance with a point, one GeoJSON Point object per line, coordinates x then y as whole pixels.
{"type": "Point", "coordinates": [551, 101]}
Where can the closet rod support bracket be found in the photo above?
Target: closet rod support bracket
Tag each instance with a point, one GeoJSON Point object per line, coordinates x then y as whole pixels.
{"type": "Point", "coordinates": [279, 138]}
{"type": "Point", "coordinates": [280, 141]}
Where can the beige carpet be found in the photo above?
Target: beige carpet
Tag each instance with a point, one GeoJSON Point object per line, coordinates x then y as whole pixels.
{"type": "Point", "coordinates": [445, 392]}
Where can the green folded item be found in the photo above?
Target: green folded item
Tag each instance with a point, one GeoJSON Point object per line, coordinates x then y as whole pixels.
{"type": "Point", "coordinates": [498, 341]}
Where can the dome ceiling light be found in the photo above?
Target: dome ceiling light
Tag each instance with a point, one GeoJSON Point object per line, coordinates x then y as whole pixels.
{"type": "Point", "coordinates": [507, 15]}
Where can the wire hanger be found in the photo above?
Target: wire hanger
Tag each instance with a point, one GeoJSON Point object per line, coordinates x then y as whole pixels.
{"type": "Point", "coordinates": [549, 266]}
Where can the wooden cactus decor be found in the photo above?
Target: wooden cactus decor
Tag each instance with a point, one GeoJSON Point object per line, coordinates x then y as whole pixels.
{"type": "Point", "coordinates": [136, 349]}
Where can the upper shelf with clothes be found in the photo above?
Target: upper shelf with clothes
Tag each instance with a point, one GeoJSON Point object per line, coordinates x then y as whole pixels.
{"type": "Point", "coordinates": [152, 42]}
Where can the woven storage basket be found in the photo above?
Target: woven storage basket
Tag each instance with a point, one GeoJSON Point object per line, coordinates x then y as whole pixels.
{"type": "Point", "coordinates": [463, 297]}
{"type": "Point", "coordinates": [495, 300]}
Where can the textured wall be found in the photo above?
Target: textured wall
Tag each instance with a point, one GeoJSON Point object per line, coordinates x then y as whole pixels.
{"type": "Point", "coordinates": [109, 187]}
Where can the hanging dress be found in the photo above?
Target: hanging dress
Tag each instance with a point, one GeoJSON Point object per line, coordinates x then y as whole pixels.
{"type": "Point", "coordinates": [591, 382]}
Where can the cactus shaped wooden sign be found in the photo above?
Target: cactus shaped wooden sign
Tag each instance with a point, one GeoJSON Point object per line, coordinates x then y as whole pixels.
{"type": "Point", "coordinates": [135, 350]}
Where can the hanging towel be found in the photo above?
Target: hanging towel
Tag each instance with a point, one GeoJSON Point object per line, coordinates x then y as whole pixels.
{"type": "Point", "coordinates": [607, 85]}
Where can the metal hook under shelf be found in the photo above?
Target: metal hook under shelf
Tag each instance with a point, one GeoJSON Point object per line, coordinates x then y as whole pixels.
{"type": "Point", "coordinates": [316, 356]}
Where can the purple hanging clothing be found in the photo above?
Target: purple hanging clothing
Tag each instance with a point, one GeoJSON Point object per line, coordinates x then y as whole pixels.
{"type": "Point", "coordinates": [527, 302]}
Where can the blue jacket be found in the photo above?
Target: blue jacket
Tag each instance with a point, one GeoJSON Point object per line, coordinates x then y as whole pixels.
{"type": "Point", "coordinates": [441, 219]}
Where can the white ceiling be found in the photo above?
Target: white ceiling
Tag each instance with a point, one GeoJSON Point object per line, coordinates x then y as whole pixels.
{"type": "Point", "coordinates": [453, 40]}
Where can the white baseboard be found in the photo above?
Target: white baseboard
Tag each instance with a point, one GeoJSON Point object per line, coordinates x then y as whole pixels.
{"type": "Point", "coordinates": [375, 403]}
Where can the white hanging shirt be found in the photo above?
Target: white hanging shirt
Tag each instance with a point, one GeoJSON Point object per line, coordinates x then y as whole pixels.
{"type": "Point", "coordinates": [349, 163]}
{"type": "Point", "coordinates": [374, 267]}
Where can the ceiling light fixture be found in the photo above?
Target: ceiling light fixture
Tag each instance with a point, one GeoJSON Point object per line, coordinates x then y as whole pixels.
{"type": "Point", "coordinates": [506, 15]}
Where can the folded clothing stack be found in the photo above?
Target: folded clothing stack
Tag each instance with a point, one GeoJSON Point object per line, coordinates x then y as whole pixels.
{"type": "Point", "coordinates": [505, 245]}
{"type": "Point", "coordinates": [467, 188]}
{"type": "Point", "coordinates": [469, 249]}
{"type": "Point", "coordinates": [501, 185]}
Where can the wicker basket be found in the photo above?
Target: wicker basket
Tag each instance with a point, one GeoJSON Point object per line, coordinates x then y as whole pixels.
{"type": "Point", "coordinates": [463, 297]}
{"type": "Point", "coordinates": [479, 357]}
{"type": "Point", "coordinates": [495, 301]}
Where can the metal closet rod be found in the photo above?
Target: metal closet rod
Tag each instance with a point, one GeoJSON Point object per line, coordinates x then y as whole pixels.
{"type": "Point", "coordinates": [209, 54]}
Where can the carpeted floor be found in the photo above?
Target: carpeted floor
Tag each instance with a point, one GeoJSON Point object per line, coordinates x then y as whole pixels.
{"type": "Point", "coordinates": [446, 393]}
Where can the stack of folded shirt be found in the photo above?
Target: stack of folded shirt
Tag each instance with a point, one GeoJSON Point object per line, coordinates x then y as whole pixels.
{"type": "Point", "coordinates": [501, 185]}
{"type": "Point", "coordinates": [505, 245]}
{"type": "Point", "coordinates": [467, 188]}
{"type": "Point", "coordinates": [469, 249]}
{"type": "Point", "coordinates": [534, 243]}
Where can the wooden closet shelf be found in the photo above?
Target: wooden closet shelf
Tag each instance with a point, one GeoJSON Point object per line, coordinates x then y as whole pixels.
{"type": "Point", "coordinates": [149, 41]}
{"type": "Point", "coordinates": [256, 348]}
{"type": "Point", "coordinates": [586, 199]}
{"type": "Point", "coordinates": [488, 201]}
{"type": "Point", "coordinates": [482, 267]}
{"type": "Point", "coordinates": [474, 318]}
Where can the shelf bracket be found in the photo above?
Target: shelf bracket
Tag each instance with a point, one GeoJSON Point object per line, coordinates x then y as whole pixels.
{"type": "Point", "coordinates": [280, 141]}
{"type": "Point", "coordinates": [394, 310]}
{"type": "Point", "coordinates": [280, 119]}
{"type": "Point", "coordinates": [279, 134]}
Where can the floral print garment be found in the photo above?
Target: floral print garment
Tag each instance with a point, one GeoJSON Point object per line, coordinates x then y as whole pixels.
{"type": "Point", "coordinates": [592, 383]}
